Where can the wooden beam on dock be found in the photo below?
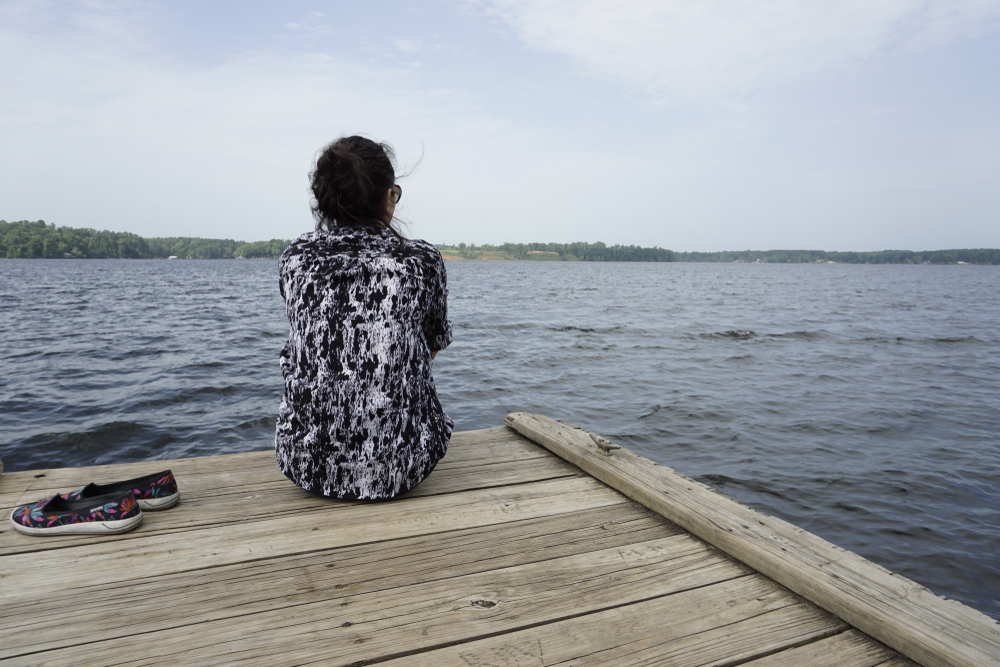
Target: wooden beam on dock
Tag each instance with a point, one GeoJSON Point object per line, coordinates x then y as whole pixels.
{"type": "Point", "coordinates": [930, 630]}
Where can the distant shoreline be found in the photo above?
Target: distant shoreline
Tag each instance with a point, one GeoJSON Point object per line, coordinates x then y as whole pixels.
{"type": "Point", "coordinates": [593, 252]}
{"type": "Point", "coordinates": [38, 240]}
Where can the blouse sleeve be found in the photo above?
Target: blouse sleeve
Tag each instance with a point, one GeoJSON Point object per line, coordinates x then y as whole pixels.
{"type": "Point", "coordinates": [437, 326]}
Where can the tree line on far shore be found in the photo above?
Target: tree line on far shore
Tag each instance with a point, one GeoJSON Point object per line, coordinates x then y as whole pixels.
{"type": "Point", "coordinates": [965, 256]}
{"type": "Point", "coordinates": [38, 240]}
{"type": "Point", "coordinates": [587, 252]}
{"type": "Point", "coordinates": [619, 253]}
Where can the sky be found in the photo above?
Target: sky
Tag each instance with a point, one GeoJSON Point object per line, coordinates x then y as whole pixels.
{"type": "Point", "coordinates": [694, 125]}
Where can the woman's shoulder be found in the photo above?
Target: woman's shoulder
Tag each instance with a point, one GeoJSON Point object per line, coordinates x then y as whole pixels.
{"type": "Point", "coordinates": [358, 245]}
{"type": "Point", "coordinates": [427, 251]}
{"type": "Point", "coordinates": [302, 243]}
{"type": "Point", "coordinates": [326, 243]}
{"type": "Point", "coordinates": [296, 250]}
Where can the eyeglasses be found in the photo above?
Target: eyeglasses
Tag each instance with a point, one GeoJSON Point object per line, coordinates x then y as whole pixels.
{"type": "Point", "coordinates": [397, 194]}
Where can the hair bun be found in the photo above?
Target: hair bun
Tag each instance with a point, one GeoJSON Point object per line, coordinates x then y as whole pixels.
{"type": "Point", "coordinates": [349, 183]}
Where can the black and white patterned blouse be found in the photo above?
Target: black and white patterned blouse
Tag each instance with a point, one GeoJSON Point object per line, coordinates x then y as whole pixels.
{"type": "Point", "coordinates": [360, 417]}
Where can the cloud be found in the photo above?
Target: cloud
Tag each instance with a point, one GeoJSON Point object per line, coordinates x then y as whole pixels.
{"type": "Point", "coordinates": [409, 45]}
{"type": "Point", "coordinates": [415, 45]}
{"type": "Point", "coordinates": [696, 48]}
{"type": "Point", "coordinates": [104, 130]}
{"type": "Point", "coordinates": [310, 23]}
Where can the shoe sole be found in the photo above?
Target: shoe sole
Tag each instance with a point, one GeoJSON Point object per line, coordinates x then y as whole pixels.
{"type": "Point", "coordinates": [86, 527]}
{"type": "Point", "coordinates": [159, 503]}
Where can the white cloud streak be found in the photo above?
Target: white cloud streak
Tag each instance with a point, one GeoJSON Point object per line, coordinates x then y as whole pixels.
{"type": "Point", "coordinates": [698, 48]}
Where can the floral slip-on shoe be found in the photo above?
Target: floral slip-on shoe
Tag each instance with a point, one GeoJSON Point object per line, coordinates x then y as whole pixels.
{"type": "Point", "coordinates": [106, 515]}
{"type": "Point", "coordinates": [154, 492]}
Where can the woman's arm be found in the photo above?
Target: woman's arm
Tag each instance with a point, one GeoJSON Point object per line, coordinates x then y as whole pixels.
{"type": "Point", "coordinates": [437, 326]}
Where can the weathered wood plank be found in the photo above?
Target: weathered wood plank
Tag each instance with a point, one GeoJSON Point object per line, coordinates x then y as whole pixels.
{"type": "Point", "coordinates": [257, 502]}
{"type": "Point", "coordinates": [898, 612]}
{"type": "Point", "coordinates": [492, 439]}
{"type": "Point", "coordinates": [345, 628]}
{"type": "Point", "coordinates": [224, 498]}
{"type": "Point", "coordinates": [848, 649]}
{"type": "Point", "coordinates": [12, 488]}
{"type": "Point", "coordinates": [339, 525]}
{"type": "Point", "coordinates": [155, 603]}
{"type": "Point", "coordinates": [219, 472]}
{"type": "Point", "coordinates": [466, 448]}
{"type": "Point", "coordinates": [63, 479]}
{"type": "Point", "coordinates": [721, 624]}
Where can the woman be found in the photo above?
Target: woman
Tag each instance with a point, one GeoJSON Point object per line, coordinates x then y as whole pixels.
{"type": "Point", "coordinates": [360, 418]}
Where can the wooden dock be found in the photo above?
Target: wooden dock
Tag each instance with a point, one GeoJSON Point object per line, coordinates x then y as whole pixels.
{"type": "Point", "coordinates": [508, 555]}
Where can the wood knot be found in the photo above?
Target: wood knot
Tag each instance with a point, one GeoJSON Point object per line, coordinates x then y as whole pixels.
{"type": "Point", "coordinates": [485, 604]}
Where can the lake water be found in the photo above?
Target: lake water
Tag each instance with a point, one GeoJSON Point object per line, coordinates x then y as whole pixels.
{"type": "Point", "coordinates": [861, 403]}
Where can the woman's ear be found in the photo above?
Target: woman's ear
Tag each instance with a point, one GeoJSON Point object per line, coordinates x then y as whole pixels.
{"type": "Point", "coordinates": [388, 207]}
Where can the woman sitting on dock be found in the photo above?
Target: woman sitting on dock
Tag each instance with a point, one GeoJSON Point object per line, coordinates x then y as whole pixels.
{"type": "Point", "coordinates": [367, 308]}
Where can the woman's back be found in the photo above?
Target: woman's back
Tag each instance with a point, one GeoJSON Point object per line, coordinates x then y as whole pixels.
{"type": "Point", "coordinates": [360, 417]}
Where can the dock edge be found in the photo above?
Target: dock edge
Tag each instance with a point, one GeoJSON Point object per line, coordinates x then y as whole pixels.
{"type": "Point", "coordinates": [931, 630]}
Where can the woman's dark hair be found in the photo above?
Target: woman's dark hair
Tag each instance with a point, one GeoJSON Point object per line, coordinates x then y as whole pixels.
{"type": "Point", "coordinates": [350, 182]}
